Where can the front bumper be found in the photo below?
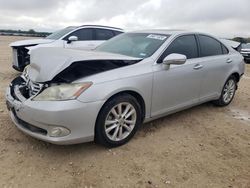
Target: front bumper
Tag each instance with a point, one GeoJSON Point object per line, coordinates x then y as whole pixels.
{"type": "Point", "coordinates": [37, 118]}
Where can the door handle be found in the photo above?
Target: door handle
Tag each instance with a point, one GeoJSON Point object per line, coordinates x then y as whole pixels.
{"type": "Point", "coordinates": [198, 66]}
{"type": "Point", "coordinates": [229, 60]}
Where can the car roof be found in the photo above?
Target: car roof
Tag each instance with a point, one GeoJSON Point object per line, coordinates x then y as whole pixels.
{"type": "Point", "coordinates": [99, 26]}
{"type": "Point", "coordinates": [166, 31]}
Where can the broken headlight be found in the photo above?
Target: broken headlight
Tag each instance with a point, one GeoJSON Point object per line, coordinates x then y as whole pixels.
{"type": "Point", "coordinates": [63, 92]}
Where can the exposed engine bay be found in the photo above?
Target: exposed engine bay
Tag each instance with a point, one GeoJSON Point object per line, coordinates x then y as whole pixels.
{"type": "Point", "coordinates": [23, 87]}
{"type": "Point", "coordinates": [82, 69]}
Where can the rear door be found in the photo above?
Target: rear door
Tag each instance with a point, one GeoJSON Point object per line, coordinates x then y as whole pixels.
{"type": "Point", "coordinates": [216, 63]}
{"type": "Point", "coordinates": [178, 86]}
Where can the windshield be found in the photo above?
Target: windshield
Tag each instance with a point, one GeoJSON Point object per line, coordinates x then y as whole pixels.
{"type": "Point", "coordinates": [140, 45]}
{"type": "Point", "coordinates": [58, 34]}
{"type": "Point", "coordinates": [246, 45]}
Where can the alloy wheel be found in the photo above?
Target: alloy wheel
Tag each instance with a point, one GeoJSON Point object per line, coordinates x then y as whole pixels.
{"type": "Point", "coordinates": [229, 90]}
{"type": "Point", "coordinates": [120, 121]}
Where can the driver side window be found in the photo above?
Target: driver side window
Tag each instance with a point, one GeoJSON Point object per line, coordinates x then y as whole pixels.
{"type": "Point", "coordinates": [185, 45]}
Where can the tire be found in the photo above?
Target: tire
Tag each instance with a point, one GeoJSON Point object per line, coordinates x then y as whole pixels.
{"type": "Point", "coordinates": [118, 121]}
{"type": "Point", "coordinates": [227, 93]}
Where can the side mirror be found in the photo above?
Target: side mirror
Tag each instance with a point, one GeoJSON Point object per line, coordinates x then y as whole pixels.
{"type": "Point", "coordinates": [72, 38]}
{"type": "Point", "coordinates": [175, 59]}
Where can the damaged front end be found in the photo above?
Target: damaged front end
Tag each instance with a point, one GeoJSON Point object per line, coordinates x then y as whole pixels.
{"type": "Point", "coordinates": [53, 73]}
{"type": "Point", "coordinates": [20, 90]}
{"type": "Point", "coordinates": [41, 99]}
{"type": "Point", "coordinates": [23, 88]}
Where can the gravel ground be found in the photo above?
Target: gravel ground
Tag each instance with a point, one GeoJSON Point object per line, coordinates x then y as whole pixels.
{"type": "Point", "coordinates": [205, 146]}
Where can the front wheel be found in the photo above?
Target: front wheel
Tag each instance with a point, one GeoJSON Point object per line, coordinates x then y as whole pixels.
{"type": "Point", "coordinates": [118, 121]}
{"type": "Point", "coordinates": [227, 93]}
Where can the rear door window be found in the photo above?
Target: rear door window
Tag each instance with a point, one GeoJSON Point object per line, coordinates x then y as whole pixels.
{"type": "Point", "coordinates": [224, 49]}
{"type": "Point", "coordinates": [210, 46]}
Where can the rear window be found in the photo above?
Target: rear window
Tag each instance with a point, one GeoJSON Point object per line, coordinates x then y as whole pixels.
{"type": "Point", "coordinates": [246, 45]}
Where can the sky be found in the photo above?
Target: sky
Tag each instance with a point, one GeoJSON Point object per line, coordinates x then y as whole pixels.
{"type": "Point", "coordinates": [223, 18]}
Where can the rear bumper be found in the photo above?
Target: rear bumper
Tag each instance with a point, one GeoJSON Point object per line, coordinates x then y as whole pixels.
{"type": "Point", "coordinates": [38, 118]}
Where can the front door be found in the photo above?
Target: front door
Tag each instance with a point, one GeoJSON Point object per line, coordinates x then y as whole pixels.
{"type": "Point", "coordinates": [179, 86]}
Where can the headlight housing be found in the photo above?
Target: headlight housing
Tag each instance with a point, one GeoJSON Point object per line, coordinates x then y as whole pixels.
{"type": "Point", "coordinates": [62, 92]}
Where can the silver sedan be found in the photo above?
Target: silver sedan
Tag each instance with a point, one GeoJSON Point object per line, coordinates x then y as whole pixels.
{"type": "Point", "coordinates": [68, 96]}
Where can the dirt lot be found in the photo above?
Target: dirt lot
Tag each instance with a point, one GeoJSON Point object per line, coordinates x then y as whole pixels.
{"type": "Point", "coordinates": [204, 146]}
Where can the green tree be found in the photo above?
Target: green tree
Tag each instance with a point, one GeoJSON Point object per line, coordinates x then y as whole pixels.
{"type": "Point", "coordinates": [32, 31]}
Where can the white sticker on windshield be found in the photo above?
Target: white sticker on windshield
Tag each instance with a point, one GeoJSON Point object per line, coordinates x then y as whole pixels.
{"type": "Point", "coordinates": [143, 54]}
{"type": "Point", "coordinates": [157, 37]}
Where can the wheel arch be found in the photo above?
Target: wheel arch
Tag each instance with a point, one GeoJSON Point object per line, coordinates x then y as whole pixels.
{"type": "Point", "coordinates": [236, 75]}
{"type": "Point", "coordinates": [233, 73]}
{"type": "Point", "coordinates": [135, 94]}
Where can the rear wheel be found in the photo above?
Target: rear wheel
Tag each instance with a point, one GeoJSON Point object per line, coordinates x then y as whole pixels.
{"type": "Point", "coordinates": [228, 92]}
{"type": "Point", "coordinates": [118, 121]}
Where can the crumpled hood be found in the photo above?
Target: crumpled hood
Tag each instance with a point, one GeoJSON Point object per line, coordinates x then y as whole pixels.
{"type": "Point", "coordinates": [30, 42]}
{"type": "Point", "coordinates": [46, 62]}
